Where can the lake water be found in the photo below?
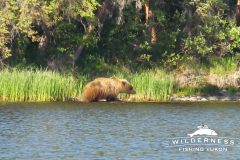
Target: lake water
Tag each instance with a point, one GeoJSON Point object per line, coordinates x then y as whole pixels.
{"type": "Point", "coordinates": [74, 130]}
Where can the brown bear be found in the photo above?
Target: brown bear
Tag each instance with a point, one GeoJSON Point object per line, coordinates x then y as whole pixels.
{"type": "Point", "coordinates": [106, 88]}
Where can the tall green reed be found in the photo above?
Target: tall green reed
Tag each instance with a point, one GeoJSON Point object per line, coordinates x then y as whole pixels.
{"type": "Point", "coordinates": [223, 66]}
{"type": "Point", "coordinates": [44, 85]}
{"type": "Point", "coordinates": [150, 85]}
{"type": "Point", "coordinates": [40, 85]}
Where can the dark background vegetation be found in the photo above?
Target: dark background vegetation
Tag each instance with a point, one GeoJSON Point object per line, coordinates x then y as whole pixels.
{"type": "Point", "coordinates": [107, 35]}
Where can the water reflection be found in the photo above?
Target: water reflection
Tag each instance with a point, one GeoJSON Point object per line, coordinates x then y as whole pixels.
{"type": "Point", "coordinates": [64, 130]}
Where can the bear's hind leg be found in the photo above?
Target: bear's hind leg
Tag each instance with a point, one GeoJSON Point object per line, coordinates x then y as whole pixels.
{"type": "Point", "coordinates": [95, 99]}
{"type": "Point", "coordinates": [110, 98]}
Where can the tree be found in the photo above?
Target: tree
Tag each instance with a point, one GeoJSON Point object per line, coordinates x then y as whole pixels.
{"type": "Point", "coordinates": [208, 29]}
{"type": "Point", "coordinates": [238, 13]}
{"type": "Point", "coordinates": [99, 15]}
{"type": "Point", "coordinates": [41, 21]}
{"type": "Point", "coordinates": [209, 32]}
{"type": "Point", "coordinates": [149, 16]}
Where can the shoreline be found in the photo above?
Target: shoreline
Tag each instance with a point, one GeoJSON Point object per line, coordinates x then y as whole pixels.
{"type": "Point", "coordinates": [206, 98]}
{"type": "Point", "coordinates": [151, 86]}
{"type": "Point", "coordinates": [177, 99]}
{"type": "Point", "coordinates": [222, 96]}
{"type": "Point", "coordinates": [172, 99]}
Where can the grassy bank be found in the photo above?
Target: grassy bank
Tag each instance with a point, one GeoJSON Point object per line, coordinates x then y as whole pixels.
{"type": "Point", "coordinates": [150, 85]}
{"type": "Point", "coordinates": [40, 85]}
{"type": "Point", "coordinates": [43, 85]}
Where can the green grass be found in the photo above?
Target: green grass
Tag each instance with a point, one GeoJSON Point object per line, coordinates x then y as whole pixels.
{"type": "Point", "coordinates": [40, 85]}
{"type": "Point", "coordinates": [223, 66]}
{"type": "Point", "coordinates": [220, 66]}
{"type": "Point", "coordinates": [43, 85]}
{"type": "Point", "coordinates": [150, 85]}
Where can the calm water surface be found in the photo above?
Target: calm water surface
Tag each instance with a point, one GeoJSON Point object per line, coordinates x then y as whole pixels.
{"type": "Point", "coordinates": [64, 130]}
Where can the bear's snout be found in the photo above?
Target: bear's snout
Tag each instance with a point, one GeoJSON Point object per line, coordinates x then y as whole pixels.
{"type": "Point", "coordinates": [132, 92]}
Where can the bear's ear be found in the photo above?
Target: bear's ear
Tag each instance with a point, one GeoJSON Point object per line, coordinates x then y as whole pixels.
{"type": "Point", "coordinates": [124, 83]}
{"type": "Point", "coordinates": [114, 78]}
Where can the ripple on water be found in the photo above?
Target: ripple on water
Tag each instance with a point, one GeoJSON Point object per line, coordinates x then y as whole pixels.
{"type": "Point", "coordinates": [64, 130]}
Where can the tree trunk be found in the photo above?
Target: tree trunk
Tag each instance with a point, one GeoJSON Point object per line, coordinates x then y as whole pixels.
{"type": "Point", "coordinates": [147, 11]}
{"type": "Point", "coordinates": [238, 13]}
{"type": "Point", "coordinates": [150, 20]}
{"type": "Point", "coordinates": [43, 45]}
{"type": "Point", "coordinates": [98, 17]}
{"type": "Point", "coordinates": [238, 6]}
{"type": "Point", "coordinates": [189, 12]}
{"type": "Point", "coordinates": [45, 39]}
{"type": "Point", "coordinates": [152, 27]}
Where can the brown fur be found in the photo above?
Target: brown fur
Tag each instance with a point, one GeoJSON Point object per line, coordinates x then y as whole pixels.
{"type": "Point", "coordinates": [106, 88]}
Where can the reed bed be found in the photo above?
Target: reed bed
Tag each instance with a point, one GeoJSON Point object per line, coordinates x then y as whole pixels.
{"type": "Point", "coordinates": [150, 86]}
{"type": "Point", "coordinates": [40, 85]}
{"type": "Point", "coordinates": [43, 85]}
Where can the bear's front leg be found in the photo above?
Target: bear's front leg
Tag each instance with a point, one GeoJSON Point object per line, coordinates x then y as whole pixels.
{"type": "Point", "coordinates": [118, 100]}
{"type": "Point", "coordinates": [110, 99]}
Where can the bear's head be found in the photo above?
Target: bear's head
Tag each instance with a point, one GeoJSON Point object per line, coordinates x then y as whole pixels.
{"type": "Point", "coordinates": [126, 87]}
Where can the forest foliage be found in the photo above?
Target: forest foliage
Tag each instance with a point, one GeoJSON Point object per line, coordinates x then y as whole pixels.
{"type": "Point", "coordinates": [94, 35]}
